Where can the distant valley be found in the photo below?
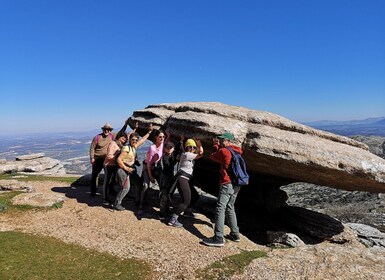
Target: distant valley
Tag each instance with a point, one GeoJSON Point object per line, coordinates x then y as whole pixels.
{"type": "Point", "coordinates": [367, 127]}
{"type": "Point", "coordinates": [72, 148]}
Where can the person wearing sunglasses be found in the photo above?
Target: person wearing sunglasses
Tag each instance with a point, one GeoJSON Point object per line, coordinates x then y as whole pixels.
{"type": "Point", "coordinates": [152, 169]}
{"type": "Point", "coordinates": [111, 167]}
{"type": "Point", "coordinates": [168, 180]}
{"type": "Point", "coordinates": [193, 151]}
{"type": "Point", "coordinates": [127, 169]}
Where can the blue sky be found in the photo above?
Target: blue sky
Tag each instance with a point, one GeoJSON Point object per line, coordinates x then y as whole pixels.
{"type": "Point", "coordinates": [74, 65]}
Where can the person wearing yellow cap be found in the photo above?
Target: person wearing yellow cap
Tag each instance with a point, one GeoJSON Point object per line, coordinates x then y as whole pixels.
{"type": "Point", "coordinates": [193, 151]}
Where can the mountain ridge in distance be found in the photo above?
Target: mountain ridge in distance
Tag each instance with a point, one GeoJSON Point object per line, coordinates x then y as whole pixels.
{"type": "Point", "coordinates": [366, 127]}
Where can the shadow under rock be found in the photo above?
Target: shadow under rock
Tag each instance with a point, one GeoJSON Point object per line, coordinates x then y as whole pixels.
{"type": "Point", "coordinates": [255, 222]}
{"type": "Point", "coordinates": [312, 227]}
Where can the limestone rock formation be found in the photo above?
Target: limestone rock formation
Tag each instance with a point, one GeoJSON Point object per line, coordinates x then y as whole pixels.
{"type": "Point", "coordinates": [376, 144]}
{"type": "Point", "coordinates": [38, 199]}
{"type": "Point", "coordinates": [37, 164]}
{"type": "Point", "coordinates": [277, 151]}
{"type": "Point", "coordinates": [368, 235]}
{"type": "Point", "coordinates": [15, 185]}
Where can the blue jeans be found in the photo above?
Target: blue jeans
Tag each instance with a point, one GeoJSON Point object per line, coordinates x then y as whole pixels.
{"type": "Point", "coordinates": [225, 209]}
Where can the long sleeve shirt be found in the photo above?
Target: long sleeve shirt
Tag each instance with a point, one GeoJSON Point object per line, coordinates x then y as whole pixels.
{"type": "Point", "coordinates": [99, 145]}
{"type": "Point", "coordinates": [223, 157]}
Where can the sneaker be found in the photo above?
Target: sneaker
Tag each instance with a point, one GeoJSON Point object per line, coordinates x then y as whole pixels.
{"type": "Point", "coordinates": [140, 212]}
{"type": "Point", "coordinates": [162, 216]}
{"type": "Point", "coordinates": [119, 207]}
{"type": "Point", "coordinates": [189, 214]}
{"type": "Point", "coordinates": [174, 222]}
{"type": "Point", "coordinates": [233, 237]}
{"type": "Point", "coordinates": [213, 241]}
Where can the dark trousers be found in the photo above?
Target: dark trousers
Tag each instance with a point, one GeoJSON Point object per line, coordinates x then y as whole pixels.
{"type": "Point", "coordinates": [188, 194]}
{"type": "Point", "coordinates": [167, 183]}
{"type": "Point", "coordinates": [110, 177]}
{"type": "Point", "coordinates": [96, 168]}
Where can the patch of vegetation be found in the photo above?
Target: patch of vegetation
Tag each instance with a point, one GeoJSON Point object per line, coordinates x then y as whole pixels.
{"type": "Point", "coordinates": [229, 266]}
{"type": "Point", "coordinates": [7, 205]}
{"type": "Point", "coordinates": [6, 201]}
{"type": "Point", "coordinates": [28, 178]}
{"type": "Point", "coordinates": [26, 256]}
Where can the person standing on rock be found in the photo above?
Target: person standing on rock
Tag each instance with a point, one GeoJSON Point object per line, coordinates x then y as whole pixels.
{"type": "Point", "coordinates": [151, 169]}
{"type": "Point", "coordinates": [98, 152]}
{"type": "Point", "coordinates": [227, 192]}
{"type": "Point", "coordinates": [127, 169]}
{"type": "Point", "coordinates": [193, 151]}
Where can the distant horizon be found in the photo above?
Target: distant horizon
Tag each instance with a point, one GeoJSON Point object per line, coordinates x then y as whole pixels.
{"type": "Point", "coordinates": [95, 131]}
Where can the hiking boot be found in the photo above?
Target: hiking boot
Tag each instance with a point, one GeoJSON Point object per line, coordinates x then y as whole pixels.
{"type": "Point", "coordinates": [174, 221]}
{"type": "Point", "coordinates": [233, 237]}
{"type": "Point", "coordinates": [213, 241]}
{"type": "Point", "coordinates": [119, 207]}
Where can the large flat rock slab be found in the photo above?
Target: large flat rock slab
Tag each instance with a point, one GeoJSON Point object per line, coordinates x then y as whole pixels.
{"type": "Point", "coordinates": [274, 147]}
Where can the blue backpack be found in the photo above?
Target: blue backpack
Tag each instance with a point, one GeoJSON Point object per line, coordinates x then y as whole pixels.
{"type": "Point", "coordinates": [238, 173]}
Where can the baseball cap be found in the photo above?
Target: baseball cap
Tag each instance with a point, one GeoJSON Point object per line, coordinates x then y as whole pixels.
{"type": "Point", "coordinates": [227, 135]}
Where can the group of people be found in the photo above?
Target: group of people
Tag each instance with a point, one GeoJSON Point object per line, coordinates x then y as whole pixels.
{"type": "Point", "coordinates": [117, 155]}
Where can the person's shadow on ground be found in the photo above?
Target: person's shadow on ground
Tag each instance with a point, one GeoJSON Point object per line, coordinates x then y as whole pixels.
{"type": "Point", "coordinates": [82, 195]}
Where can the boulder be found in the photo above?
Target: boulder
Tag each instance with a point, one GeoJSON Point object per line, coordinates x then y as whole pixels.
{"type": "Point", "coordinates": [368, 235]}
{"type": "Point", "coordinates": [277, 151]}
{"type": "Point", "coordinates": [38, 199]}
{"type": "Point", "coordinates": [15, 185]}
{"type": "Point", "coordinates": [37, 164]}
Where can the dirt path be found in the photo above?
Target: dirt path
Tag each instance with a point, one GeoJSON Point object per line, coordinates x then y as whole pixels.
{"type": "Point", "coordinates": [176, 253]}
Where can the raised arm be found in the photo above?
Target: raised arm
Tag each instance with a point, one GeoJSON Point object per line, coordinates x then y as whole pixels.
{"type": "Point", "coordinates": [145, 137]}
{"type": "Point", "coordinates": [199, 148]}
{"type": "Point", "coordinates": [132, 131]}
{"type": "Point", "coordinates": [124, 127]}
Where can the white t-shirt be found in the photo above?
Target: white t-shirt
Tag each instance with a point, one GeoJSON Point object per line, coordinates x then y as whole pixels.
{"type": "Point", "coordinates": [186, 162]}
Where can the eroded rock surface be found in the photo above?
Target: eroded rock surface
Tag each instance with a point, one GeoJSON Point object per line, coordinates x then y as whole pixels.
{"type": "Point", "coordinates": [277, 151]}
{"type": "Point", "coordinates": [37, 164]}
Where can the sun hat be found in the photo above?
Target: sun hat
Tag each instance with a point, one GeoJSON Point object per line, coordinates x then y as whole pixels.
{"type": "Point", "coordinates": [107, 126]}
{"type": "Point", "coordinates": [227, 135]}
{"type": "Point", "coordinates": [190, 142]}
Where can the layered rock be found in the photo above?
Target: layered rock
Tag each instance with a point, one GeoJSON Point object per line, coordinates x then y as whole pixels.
{"type": "Point", "coordinates": [37, 164]}
{"type": "Point", "coordinates": [277, 151]}
{"type": "Point", "coordinates": [376, 144]}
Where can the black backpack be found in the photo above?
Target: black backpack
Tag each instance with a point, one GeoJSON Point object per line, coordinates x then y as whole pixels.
{"type": "Point", "coordinates": [237, 168]}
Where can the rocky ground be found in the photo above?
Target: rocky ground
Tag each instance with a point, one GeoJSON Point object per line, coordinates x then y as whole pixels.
{"type": "Point", "coordinates": [176, 253]}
